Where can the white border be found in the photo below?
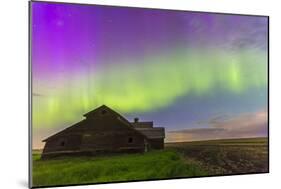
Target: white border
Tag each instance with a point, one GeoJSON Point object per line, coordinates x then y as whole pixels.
{"type": "Point", "coordinates": [14, 92]}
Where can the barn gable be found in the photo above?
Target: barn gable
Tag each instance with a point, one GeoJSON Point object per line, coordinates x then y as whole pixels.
{"type": "Point", "coordinates": [102, 111]}
{"type": "Point", "coordinates": [105, 113]}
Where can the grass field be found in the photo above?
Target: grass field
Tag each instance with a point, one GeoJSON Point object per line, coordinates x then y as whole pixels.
{"type": "Point", "coordinates": [186, 159]}
{"type": "Point", "coordinates": [151, 165]}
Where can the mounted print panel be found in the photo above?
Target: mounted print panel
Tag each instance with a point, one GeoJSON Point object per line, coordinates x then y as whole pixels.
{"type": "Point", "coordinates": [122, 94]}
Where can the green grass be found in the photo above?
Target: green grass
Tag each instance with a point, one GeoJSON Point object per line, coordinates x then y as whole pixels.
{"type": "Point", "coordinates": [76, 170]}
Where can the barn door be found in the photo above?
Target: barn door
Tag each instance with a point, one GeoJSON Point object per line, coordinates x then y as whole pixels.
{"type": "Point", "coordinates": [146, 146]}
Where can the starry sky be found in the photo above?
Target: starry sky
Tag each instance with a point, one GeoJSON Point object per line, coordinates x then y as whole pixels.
{"type": "Point", "coordinates": [199, 75]}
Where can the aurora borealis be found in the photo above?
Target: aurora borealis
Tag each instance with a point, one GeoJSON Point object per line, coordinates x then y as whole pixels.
{"type": "Point", "coordinates": [179, 69]}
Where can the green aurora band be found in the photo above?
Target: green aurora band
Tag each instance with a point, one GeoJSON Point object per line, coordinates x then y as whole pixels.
{"type": "Point", "coordinates": [151, 83]}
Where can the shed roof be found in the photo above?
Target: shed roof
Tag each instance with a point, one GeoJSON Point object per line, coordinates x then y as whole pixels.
{"type": "Point", "coordinates": [153, 133]}
{"type": "Point", "coordinates": [143, 124]}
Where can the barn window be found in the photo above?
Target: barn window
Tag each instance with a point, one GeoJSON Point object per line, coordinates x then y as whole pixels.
{"type": "Point", "coordinates": [130, 140]}
{"type": "Point", "coordinates": [103, 112]}
{"type": "Point", "coordinates": [62, 143]}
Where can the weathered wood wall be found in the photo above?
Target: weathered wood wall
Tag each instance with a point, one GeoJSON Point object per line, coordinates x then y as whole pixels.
{"type": "Point", "coordinates": [99, 133]}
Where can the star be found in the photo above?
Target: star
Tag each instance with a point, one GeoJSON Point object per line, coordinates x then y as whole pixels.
{"type": "Point", "coordinates": [59, 23]}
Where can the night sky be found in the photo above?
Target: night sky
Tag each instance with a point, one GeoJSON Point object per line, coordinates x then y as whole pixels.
{"type": "Point", "coordinates": [199, 75]}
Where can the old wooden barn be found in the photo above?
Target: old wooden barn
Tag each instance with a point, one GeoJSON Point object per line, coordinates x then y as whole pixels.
{"type": "Point", "coordinates": [104, 131]}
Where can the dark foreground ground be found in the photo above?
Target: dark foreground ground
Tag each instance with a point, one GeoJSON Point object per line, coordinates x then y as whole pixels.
{"type": "Point", "coordinates": [227, 156]}
{"type": "Point", "coordinates": [188, 159]}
